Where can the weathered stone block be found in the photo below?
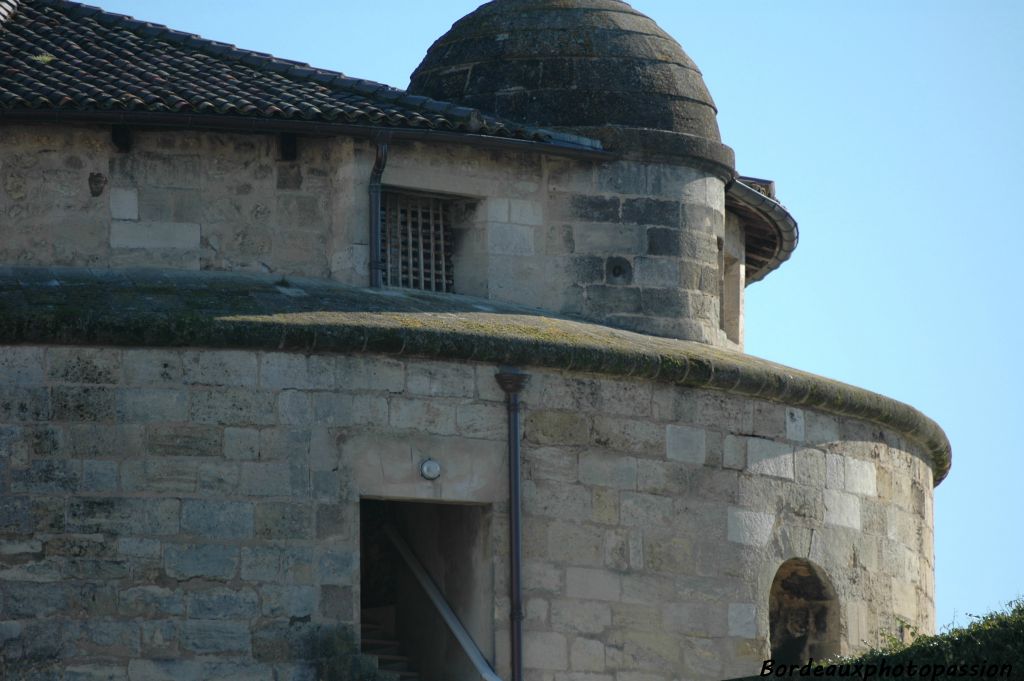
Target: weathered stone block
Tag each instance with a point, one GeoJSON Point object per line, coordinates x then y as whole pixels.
{"type": "Point", "coordinates": [159, 638]}
{"type": "Point", "coordinates": [138, 547]}
{"type": "Point", "coordinates": [595, 208]}
{"type": "Point", "coordinates": [232, 407]}
{"type": "Point", "coordinates": [598, 239]}
{"type": "Point", "coordinates": [526, 212]}
{"type": "Point", "coordinates": [146, 405]}
{"type": "Point", "coordinates": [288, 601]}
{"type": "Point", "coordinates": [335, 521]}
{"type": "Point", "coordinates": [279, 371]}
{"type": "Point", "coordinates": [606, 469]}
{"type": "Point", "coordinates": [486, 421]}
{"type": "Point", "coordinates": [557, 428]}
{"type": "Point", "coordinates": [171, 475]}
{"type": "Point", "coordinates": [575, 544]}
{"type": "Point", "coordinates": [663, 241]}
{"type": "Point", "coordinates": [99, 477]}
{"type": "Point", "coordinates": [370, 373]}
{"type": "Point", "coordinates": [215, 519]}
{"type": "Point", "coordinates": [212, 561]}
{"type": "Point", "coordinates": [545, 650]}
{"type": "Point", "coordinates": [150, 601]}
{"type": "Point", "coordinates": [124, 203]}
{"type": "Point", "coordinates": [241, 444]}
{"type": "Point", "coordinates": [646, 510]}
{"type": "Point", "coordinates": [835, 471]}
{"type": "Point", "coordinates": [103, 441]}
{"type": "Point", "coordinates": [810, 468]}
{"type": "Point", "coordinates": [743, 620]}
{"type": "Point", "coordinates": [130, 234]}
{"type": "Point", "coordinates": [21, 366]}
{"type": "Point", "coordinates": [556, 500]}
{"type": "Point", "coordinates": [605, 300]}
{"type": "Point", "coordinates": [152, 367]}
{"type": "Point", "coordinates": [266, 479]}
{"type": "Point", "coordinates": [842, 509]}
{"type": "Point", "coordinates": [220, 368]}
{"type": "Point", "coordinates": [336, 567]}
{"type": "Point", "coordinates": [337, 602]}
{"type": "Point", "coordinates": [686, 444]}
{"type": "Point", "coordinates": [47, 476]}
{"type": "Point", "coordinates": [123, 516]}
{"type": "Point", "coordinates": [767, 457]}
{"type": "Point", "coordinates": [82, 403]}
{"type": "Point", "coordinates": [646, 211]}
{"type": "Point", "coordinates": [284, 520]}
{"type": "Point", "coordinates": [339, 409]}
{"type": "Point", "coordinates": [860, 477]}
{"type": "Point", "coordinates": [795, 424]}
{"type": "Point", "coordinates": [588, 583]}
{"type": "Point", "coordinates": [637, 436]}
{"type": "Point", "coordinates": [749, 527]}
{"type": "Point", "coordinates": [215, 637]}
{"type": "Point", "coordinates": [550, 463]}
{"type": "Point", "coordinates": [222, 603]}
{"type": "Point", "coordinates": [696, 619]}
{"type": "Point", "coordinates": [83, 365]}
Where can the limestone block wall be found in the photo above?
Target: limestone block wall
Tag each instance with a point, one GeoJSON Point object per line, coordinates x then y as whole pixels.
{"type": "Point", "coordinates": [194, 514]}
{"type": "Point", "coordinates": [630, 244]}
{"type": "Point", "coordinates": [181, 199]}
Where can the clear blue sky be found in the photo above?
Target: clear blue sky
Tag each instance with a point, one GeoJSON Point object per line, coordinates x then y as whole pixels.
{"type": "Point", "coordinates": [895, 133]}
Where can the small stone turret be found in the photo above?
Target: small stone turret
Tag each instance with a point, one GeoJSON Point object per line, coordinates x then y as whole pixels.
{"type": "Point", "coordinates": [650, 241]}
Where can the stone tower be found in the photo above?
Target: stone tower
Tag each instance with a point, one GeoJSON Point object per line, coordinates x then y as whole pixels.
{"type": "Point", "coordinates": [306, 377]}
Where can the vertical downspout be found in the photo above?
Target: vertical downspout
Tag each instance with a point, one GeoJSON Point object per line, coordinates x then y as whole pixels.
{"type": "Point", "coordinates": [376, 259]}
{"type": "Point", "coordinates": [512, 382]}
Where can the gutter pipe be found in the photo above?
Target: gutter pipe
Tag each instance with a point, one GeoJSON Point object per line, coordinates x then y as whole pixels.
{"type": "Point", "coordinates": [512, 382]}
{"type": "Point", "coordinates": [376, 259]}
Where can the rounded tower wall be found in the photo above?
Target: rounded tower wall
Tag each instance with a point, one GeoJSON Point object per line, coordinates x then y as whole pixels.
{"type": "Point", "coordinates": [213, 497]}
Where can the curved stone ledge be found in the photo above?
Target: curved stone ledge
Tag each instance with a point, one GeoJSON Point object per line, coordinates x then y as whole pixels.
{"type": "Point", "coordinates": [231, 310]}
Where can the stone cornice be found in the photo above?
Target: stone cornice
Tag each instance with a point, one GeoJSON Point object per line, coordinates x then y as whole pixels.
{"type": "Point", "coordinates": [150, 308]}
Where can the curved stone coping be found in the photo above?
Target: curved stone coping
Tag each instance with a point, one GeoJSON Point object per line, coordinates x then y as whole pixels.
{"type": "Point", "coordinates": [162, 308]}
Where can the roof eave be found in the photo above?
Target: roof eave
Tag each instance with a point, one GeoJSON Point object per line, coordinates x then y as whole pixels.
{"type": "Point", "coordinates": [771, 217]}
{"type": "Point", "coordinates": [251, 124]}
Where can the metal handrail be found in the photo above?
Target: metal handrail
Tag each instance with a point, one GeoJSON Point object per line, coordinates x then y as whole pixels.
{"type": "Point", "coordinates": [464, 638]}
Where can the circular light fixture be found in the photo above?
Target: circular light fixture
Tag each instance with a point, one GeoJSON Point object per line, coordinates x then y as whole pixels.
{"type": "Point", "coordinates": [430, 469]}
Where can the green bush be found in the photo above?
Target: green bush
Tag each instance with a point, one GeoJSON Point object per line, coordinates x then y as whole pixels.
{"type": "Point", "coordinates": [995, 639]}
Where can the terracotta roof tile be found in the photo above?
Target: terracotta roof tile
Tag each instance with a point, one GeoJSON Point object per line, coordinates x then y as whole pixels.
{"type": "Point", "coordinates": [61, 55]}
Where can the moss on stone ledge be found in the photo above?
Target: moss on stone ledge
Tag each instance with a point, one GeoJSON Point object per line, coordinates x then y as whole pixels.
{"type": "Point", "coordinates": [162, 308]}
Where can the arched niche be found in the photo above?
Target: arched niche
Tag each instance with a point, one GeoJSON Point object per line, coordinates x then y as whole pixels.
{"type": "Point", "coordinates": [803, 614]}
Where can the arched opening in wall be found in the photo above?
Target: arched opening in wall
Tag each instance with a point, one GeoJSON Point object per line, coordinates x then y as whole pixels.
{"type": "Point", "coordinates": [803, 614]}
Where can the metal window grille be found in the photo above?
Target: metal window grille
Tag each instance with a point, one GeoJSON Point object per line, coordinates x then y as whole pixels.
{"type": "Point", "coordinates": [417, 241]}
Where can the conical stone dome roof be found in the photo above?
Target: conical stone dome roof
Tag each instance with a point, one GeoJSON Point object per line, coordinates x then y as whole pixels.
{"type": "Point", "coordinates": [578, 65]}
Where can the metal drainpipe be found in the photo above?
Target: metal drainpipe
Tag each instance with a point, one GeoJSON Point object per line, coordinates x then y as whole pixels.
{"type": "Point", "coordinates": [512, 382]}
{"type": "Point", "coordinates": [376, 261]}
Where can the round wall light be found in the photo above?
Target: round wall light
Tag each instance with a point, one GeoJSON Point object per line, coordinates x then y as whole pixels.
{"type": "Point", "coordinates": [430, 469]}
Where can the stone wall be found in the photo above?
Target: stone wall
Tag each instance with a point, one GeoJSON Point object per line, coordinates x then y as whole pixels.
{"type": "Point", "coordinates": [629, 244]}
{"type": "Point", "coordinates": [175, 514]}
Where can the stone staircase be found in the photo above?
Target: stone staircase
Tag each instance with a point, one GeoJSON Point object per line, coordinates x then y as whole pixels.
{"type": "Point", "coordinates": [378, 641]}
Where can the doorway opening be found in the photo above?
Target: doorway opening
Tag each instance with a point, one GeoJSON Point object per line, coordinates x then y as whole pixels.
{"type": "Point", "coordinates": [803, 614]}
{"type": "Point", "coordinates": [400, 625]}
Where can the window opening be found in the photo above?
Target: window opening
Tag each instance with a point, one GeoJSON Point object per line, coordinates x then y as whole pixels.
{"type": "Point", "coordinates": [418, 241]}
{"type": "Point", "coordinates": [803, 614]}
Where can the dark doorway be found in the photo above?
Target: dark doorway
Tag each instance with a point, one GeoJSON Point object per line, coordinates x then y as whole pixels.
{"type": "Point", "coordinates": [401, 626]}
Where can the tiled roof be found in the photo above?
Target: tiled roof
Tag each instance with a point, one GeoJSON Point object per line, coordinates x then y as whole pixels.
{"type": "Point", "coordinates": [64, 56]}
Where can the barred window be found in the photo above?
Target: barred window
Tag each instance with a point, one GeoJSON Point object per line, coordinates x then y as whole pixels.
{"type": "Point", "coordinates": [417, 241]}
